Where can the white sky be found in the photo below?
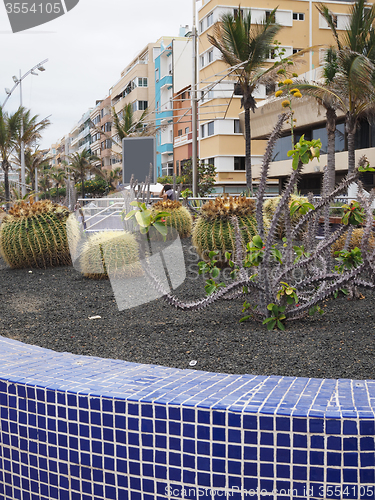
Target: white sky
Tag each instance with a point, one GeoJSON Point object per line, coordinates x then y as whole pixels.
{"type": "Point", "coordinates": [86, 50]}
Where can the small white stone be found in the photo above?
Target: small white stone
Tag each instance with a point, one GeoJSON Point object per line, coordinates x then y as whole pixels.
{"type": "Point", "coordinates": [30, 272]}
{"type": "Point", "coordinates": [95, 317]}
{"type": "Point", "coordinates": [193, 362]}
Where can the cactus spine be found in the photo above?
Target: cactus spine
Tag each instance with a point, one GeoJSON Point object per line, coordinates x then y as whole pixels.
{"type": "Point", "coordinates": [179, 218]}
{"type": "Point", "coordinates": [33, 234]}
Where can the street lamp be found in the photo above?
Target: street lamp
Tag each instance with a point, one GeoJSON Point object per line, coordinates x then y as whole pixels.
{"type": "Point", "coordinates": [18, 81]}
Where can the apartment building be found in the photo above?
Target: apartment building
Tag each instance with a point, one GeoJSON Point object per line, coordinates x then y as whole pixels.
{"type": "Point", "coordinates": [80, 135]}
{"type": "Point", "coordinates": [101, 133]}
{"type": "Point", "coordinates": [221, 137]}
{"type": "Point", "coordinates": [136, 87]}
{"type": "Point", "coordinates": [173, 70]}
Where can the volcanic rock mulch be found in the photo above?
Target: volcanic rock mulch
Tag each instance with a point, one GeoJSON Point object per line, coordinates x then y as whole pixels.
{"type": "Point", "coordinates": [51, 308]}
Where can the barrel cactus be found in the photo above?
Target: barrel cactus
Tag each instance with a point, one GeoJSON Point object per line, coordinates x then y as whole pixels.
{"type": "Point", "coordinates": [113, 253]}
{"type": "Point", "coordinates": [355, 241]}
{"type": "Point", "coordinates": [213, 229]}
{"type": "Point", "coordinates": [179, 218]}
{"type": "Point", "coordinates": [269, 208]}
{"type": "Point", "coordinates": [33, 234]}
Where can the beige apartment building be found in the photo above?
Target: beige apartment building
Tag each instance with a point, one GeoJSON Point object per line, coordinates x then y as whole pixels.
{"type": "Point", "coordinates": [220, 132]}
{"type": "Point", "coordinates": [101, 133]}
{"type": "Point", "coordinates": [136, 87]}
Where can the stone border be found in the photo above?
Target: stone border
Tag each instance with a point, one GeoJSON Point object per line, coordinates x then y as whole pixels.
{"type": "Point", "coordinates": [77, 427]}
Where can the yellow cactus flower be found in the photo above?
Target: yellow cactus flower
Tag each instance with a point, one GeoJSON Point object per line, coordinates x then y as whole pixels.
{"type": "Point", "coordinates": [294, 90]}
{"type": "Point", "coordinates": [288, 81]}
{"type": "Point", "coordinates": [285, 104]}
{"type": "Point", "coordinates": [278, 93]}
{"type": "Point", "coordinates": [298, 95]}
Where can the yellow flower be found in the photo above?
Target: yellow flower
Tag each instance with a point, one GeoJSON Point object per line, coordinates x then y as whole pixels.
{"type": "Point", "coordinates": [285, 104]}
{"type": "Point", "coordinates": [298, 95]}
{"type": "Point", "coordinates": [294, 90]}
{"type": "Point", "coordinates": [288, 82]}
{"type": "Point", "coordinates": [278, 93]}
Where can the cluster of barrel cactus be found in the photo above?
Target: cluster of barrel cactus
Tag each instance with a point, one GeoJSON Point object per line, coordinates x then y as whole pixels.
{"type": "Point", "coordinates": [33, 234]}
{"type": "Point", "coordinates": [179, 217]}
{"type": "Point", "coordinates": [213, 228]}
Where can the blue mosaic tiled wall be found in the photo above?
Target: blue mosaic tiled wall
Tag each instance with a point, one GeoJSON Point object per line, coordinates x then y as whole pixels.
{"type": "Point", "coordinates": [75, 427]}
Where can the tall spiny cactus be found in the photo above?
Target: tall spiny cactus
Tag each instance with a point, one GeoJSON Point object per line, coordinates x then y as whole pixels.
{"type": "Point", "coordinates": [179, 218]}
{"type": "Point", "coordinates": [213, 229]}
{"type": "Point", "coordinates": [272, 272]}
{"type": "Point", "coordinates": [33, 234]}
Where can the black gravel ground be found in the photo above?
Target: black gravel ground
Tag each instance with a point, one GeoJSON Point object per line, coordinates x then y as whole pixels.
{"type": "Point", "coordinates": [51, 308]}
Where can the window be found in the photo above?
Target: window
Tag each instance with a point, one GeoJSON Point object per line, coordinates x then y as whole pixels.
{"type": "Point", "coordinates": [202, 131]}
{"type": "Point", "coordinates": [201, 29]}
{"type": "Point", "coordinates": [237, 89]}
{"type": "Point", "coordinates": [186, 130]}
{"type": "Point", "coordinates": [237, 12]}
{"type": "Point", "coordinates": [140, 105]}
{"type": "Point", "coordinates": [298, 16]}
{"type": "Point", "coordinates": [239, 163]}
{"type": "Point", "coordinates": [202, 61]}
{"type": "Point", "coordinates": [142, 82]}
{"type": "Point", "coordinates": [210, 19]}
{"type": "Point", "coordinates": [270, 88]}
{"type": "Point", "coordinates": [179, 132]}
{"type": "Point", "coordinates": [101, 113]}
{"type": "Point", "coordinates": [270, 16]}
{"type": "Point", "coordinates": [96, 137]}
{"type": "Point", "coordinates": [210, 161]}
{"type": "Point", "coordinates": [237, 127]}
{"type": "Point", "coordinates": [210, 128]}
{"type": "Point", "coordinates": [96, 119]}
{"type": "Point", "coordinates": [156, 74]}
{"type": "Point", "coordinates": [296, 50]}
{"type": "Point", "coordinates": [210, 55]}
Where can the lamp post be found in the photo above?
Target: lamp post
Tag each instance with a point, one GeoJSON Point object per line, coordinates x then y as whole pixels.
{"type": "Point", "coordinates": [18, 81]}
{"type": "Point", "coordinates": [194, 107]}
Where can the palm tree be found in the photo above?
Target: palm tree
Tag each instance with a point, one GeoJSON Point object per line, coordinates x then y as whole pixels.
{"type": "Point", "coordinates": [81, 164]}
{"type": "Point", "coordinates": [112, 177]}
{"type": "Point", "coordinates": [32, 127]}
{"type": "Point", "coordinates": [58, 175]}
{"type": "Point", "coordinates": [9, 130]}
{"type": "Point", "coordinates": [353, 76]}
{"type": "Point", "coordinates": [126, 125]}
{"type": "Point", "coordinates": [245, 48]}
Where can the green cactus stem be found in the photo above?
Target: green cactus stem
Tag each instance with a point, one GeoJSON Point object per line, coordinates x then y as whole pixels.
{"type": "Point", "coordinates": [33, 234]}
{"type": "Point", "coordinates": [179, 218]}
{"type": "Point", "coordinates": [213, 229]}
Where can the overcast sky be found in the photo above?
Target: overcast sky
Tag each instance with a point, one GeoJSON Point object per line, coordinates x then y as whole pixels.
{"type": "Point", "coordinates": [87, 49]}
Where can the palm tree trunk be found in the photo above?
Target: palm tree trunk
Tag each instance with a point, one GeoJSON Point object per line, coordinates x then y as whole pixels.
{"type": "Point", "coordinates": [82, 186]}
{"type": "Point", "coordinates": [249, 177]}
{"type": "Point", "coordinates": [5, 166]}
{"type": "Point", "coordinates": [329, 171]}
{"type": "Point", "coordinates": [350, 130]}
{"type": "Point", "coordinates": [329, 182]}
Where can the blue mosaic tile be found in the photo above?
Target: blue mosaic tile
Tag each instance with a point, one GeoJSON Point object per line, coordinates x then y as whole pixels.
{"type": "Point", "coordinates": [151, 425]}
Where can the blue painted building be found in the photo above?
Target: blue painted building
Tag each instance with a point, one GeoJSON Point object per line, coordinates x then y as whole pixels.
{"type": "Point", "coordinates": [167, 65]}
